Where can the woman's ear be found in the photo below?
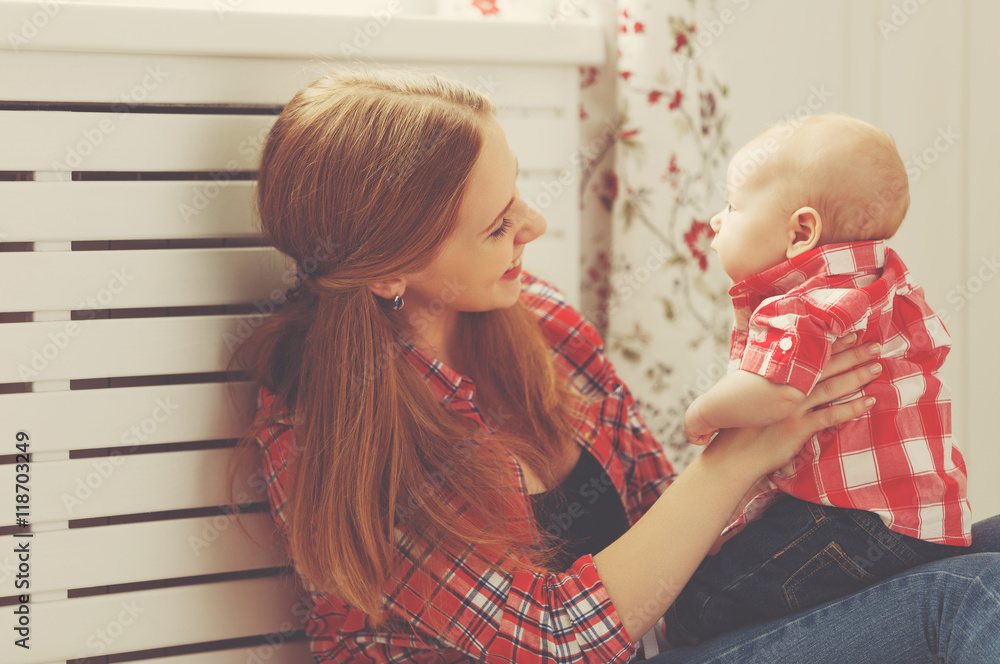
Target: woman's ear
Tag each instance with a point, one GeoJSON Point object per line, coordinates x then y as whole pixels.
{"type": "Point", "coordinates": [389, 289]}
{"type": "Point", "coordinates": [804, 230]}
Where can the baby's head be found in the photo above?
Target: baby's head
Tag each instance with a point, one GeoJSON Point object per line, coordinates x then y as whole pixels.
{"type": "Point", "coordinates": [801, 184]}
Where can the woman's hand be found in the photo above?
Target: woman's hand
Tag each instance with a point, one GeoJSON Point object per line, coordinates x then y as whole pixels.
{"type": "Point", "coordinates": [768, 448]}
{"type": "Point", "coordinates": [645, 569]}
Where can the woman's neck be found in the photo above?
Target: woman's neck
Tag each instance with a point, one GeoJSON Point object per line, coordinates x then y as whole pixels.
{"type": "Point", "coordinates": [438, 337]}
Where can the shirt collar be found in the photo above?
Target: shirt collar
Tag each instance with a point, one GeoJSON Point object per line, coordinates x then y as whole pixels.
{"type": "Point", "coordinates": [843, 258]}
{"type": "Point", "coordinates": [447, 384]}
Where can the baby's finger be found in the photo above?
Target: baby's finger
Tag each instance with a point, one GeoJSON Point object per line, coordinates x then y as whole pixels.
{"type": "Point", "coordinates": [840, 385]}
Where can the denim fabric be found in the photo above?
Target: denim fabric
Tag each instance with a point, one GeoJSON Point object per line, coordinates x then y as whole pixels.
{"type": "Point", "coordinates": [986, 536]}
{"type": "Point", "coordinates": [945, 612]}
{"type": "Point", "coordinates": [796, 556]}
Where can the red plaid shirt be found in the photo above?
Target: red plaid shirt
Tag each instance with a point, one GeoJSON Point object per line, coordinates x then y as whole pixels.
{"type": "Point", "coordinates": [899, 459]}
{"type": "Point", "coordinates": [494, 616]}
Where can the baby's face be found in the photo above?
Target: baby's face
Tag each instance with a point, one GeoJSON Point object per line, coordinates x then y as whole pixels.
{"type": "Point", "coordinates": [751, 231]}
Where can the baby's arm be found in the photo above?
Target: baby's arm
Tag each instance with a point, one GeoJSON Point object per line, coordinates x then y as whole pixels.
{"type": "Point", "coordinates": [741, 399]}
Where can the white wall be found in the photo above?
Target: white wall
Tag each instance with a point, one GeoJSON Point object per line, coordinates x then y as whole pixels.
{"type": "Point", "coordinates": [927, 72]}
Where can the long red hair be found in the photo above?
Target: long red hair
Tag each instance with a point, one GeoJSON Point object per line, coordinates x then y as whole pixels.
{"type": "Point", "coordinates": [360, 180]}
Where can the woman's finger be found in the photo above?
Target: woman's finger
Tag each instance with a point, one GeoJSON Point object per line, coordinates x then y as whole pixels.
{"type": "Point", "coordinates": [843, 343]}
{"type": "Point", "coordinates": [840, 385]}
{"type": "Point", "coordinates": [852, 357]}
{"type": "Point", "coordinates": [824, 418]}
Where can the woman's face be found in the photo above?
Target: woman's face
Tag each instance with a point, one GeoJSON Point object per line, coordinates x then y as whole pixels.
{"type": "Point", "coordinates": [473, 270]}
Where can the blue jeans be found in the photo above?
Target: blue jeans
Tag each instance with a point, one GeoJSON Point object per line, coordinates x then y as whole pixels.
{"type": "Point", "coordinates": [944, 612]}
{"type": "Point", "coordinates": [797, 555]}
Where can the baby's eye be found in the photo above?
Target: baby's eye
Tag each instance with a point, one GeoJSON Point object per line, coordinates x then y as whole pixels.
{"type": "Point", "coordinates": [729, 206]}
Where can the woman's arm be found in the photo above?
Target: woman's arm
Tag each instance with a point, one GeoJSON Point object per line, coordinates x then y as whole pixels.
{"type": "Point", "coordinates": [646, 568]}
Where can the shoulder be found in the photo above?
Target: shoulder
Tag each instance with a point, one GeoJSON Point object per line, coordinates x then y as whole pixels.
{"type": "Point", "coordinates": [554, 313]}
{"type": "Point", "coordinates": [568, 333]}
{"type": "Point", "coordinates": [271, 409]}
{"type": "Point", "coordinates": [272, 428]}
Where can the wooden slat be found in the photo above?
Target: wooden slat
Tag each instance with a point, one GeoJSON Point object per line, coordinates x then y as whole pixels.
{"type": "Point", "coordinates": [65, 350]}
{"type": "Point", "coordinates": [540, 143]}
{"type": "Point", "coordinates": [306, 31]}
{"type": "Point", "coordinates": [61, 280]}
{"type": "Point", "coordinates": [550, 260]}
{"type": "Point", "coordinates": [26, 76]}
{"type": "Point", "coordinates": [129, 484]}
{"type": "Point", "coordinates": [125, 622]}
{"type": "Point", "coordinates": [556, 200]}
{"type": "Point", "coordinates": [47, 211]}
{"type": "Point", "coordinates": [109, 555]}
{"type": "Point", "coordinates": [127, 210]}
{"type": "Point", "coordinates": [128, 417]}
{"type": "Point", "coordinates": [280, 652]}
{"type": "Point", "coordinates": [67, 141]}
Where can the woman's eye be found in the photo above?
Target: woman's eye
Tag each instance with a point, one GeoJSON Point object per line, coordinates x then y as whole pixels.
{"type": "Point", "coordinates": [500, 232]}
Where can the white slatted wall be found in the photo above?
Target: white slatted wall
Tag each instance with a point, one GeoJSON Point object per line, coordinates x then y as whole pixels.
{"type": "Point", "coordinates": [130, 268]}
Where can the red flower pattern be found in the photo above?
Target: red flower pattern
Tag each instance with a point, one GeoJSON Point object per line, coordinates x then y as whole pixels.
{"type": "Point", "coordinates": [672, 168]}
{"type": "Point", "coordinates": [611, 183]}
{"type": "Point", "coordinates": [487, 7]}
{"type": "Point", "coordinates": [676, 101]}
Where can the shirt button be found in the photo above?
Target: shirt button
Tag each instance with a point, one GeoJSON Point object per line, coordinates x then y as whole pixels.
{"type": "Point", "coordinates": [785, 344]}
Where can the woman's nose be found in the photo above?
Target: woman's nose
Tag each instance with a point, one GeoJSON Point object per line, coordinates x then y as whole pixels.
{"type": "Point", "coordinates": [533, 224]}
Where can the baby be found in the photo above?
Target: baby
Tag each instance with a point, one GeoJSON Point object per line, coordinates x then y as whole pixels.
{"type": "Point", "coordinates": [802, 236]}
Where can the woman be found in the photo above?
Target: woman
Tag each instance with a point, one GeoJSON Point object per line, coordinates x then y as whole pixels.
{"type": "Point", "coordinates": [413, 447]}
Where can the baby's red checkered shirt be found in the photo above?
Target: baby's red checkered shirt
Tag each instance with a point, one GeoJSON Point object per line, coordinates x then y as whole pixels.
{"type": "Point", "coordinates": [899, 459]}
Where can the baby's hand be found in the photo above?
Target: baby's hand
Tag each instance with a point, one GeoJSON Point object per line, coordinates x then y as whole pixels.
{"type": "Point", "coordinates": [698, 432]}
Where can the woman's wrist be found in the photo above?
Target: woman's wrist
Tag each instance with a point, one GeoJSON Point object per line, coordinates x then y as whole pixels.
{"type": "Point", "coordinates": [736, 455]}
{"type": "Point", "coordinates": [647, 567]}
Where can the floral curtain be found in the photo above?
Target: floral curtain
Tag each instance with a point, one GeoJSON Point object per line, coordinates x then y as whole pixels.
{"type": "Point", "coordinates": [668, 312]}
{"type": "Point", "coordinates": [653, 131]}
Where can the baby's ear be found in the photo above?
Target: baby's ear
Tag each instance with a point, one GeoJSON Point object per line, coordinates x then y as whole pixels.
{"type": "Point", "coordinates": [804, 229]}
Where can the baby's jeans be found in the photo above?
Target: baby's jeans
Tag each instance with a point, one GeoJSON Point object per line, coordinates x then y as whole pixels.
{"type": "Point", "coordinates": [795, 556]}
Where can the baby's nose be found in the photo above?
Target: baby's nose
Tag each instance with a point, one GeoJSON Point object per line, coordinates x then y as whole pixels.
{"type": "Point", "coordinates": [716, 222]}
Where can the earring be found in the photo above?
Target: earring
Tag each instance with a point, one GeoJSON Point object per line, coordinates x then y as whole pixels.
{"type": "Point", "coordinates": [397, 303]}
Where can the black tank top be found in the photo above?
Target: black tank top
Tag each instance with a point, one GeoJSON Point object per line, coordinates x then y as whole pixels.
{"type": "Point", "coordinates": [584, 513]}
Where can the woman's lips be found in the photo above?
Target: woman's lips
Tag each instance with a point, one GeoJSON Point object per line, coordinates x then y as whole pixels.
{"type": "Point", "coordinates": [512, 272]}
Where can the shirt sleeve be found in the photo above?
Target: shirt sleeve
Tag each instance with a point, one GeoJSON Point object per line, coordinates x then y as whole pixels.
{"type": "Point", "coordinates": [647, 471]}
{"type": "Point", "coordinates": [465, 605]}
{"type": "Point", "coordinates": [790, 337]}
